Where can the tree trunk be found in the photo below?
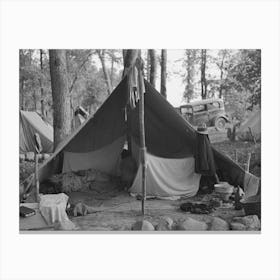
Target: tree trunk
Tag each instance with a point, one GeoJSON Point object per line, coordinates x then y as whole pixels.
{"type": "Point", "coordinates": [221, 76]}
{"type": "Point", "coordinates": [124, 55]}
{"type": "Point", "coordinates": [153, 68]}
{"type": "Point", "coordinates": [221, 86]}
{"type": "Point", "coordinates": [129, 59]}
{"type": "Point", "coordinates": [203, 76]}
{"type": "Point", "coordinates": [101, 55]}
{"type": "Point", "coordinates": [148, 66]}
{"type": "Point", "coordinates": [43, 111]}
{"type": "Point", "coordinates": [35, 100]}
{"type": "Point", "coordinates": [189, 78]}
{"type": "Point", "coordinates": [163, 72]}
{"type": "Point", "coordinates": [22, 85]}
{"type": "Point", "coordinates": [112, 71]}
{"type": "Point", "coordinates": [60, 95]}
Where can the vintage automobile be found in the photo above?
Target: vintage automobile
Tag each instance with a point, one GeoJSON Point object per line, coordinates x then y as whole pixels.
{"type": "Point", "coordinates": [208, 111]}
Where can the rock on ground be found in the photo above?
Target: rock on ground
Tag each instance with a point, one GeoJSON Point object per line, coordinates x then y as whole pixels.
{"type": "Point", "coordinates": [237, 226]}
{"type": "Point", "coordinates": [164, 224]}
{"type": "Point", "coordinates": [143, 226]}
{"type": "Point", "coordinates": [192, 224]}
{"type": "Point", "coordinates": [251, 222]}
{"type": "Point", "coordinates": [219, 224]}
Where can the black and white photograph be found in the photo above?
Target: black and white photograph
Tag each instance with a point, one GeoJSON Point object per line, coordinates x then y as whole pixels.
{"type": "Point", "coordinates": [140, 140]}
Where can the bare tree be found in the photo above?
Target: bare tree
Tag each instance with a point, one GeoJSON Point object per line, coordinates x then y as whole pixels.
{"type": "Point", "coordinates": [189, 80]}
{"type": "Point", "coordinates": [78, 71]}
{"type": "Point", "coordinates": [35, 100]}
{"type": "Point", "coordinates": [221, 64]}
{"type": "Point", "coordinates": [43, 110]}
{"type": "Point", "coordinates": [101, 55]}
{"type": "Point", "coordinates": [153, 67]}
{"type": "Point", "coordinates": [163, 72]}
{"type": "Point", "coordinates": [148, 65]}
{"type": "Point", "coordinates": [114, 58]}
{"type": "Point", "coordinates": [22, 87]}
{"type": "Point", "coordinates": [60, 95]}
{"type": "Point", "coordinates": [203, 75]}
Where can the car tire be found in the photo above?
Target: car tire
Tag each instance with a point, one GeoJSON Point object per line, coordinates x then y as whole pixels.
{"type": "Point", "coordinates": [220, 124]}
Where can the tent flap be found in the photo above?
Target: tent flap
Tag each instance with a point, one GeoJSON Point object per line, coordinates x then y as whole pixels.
{"type": "Point", "coordinates": [105, 159]}
{"type": "Point", "coordinates": [168, 177]}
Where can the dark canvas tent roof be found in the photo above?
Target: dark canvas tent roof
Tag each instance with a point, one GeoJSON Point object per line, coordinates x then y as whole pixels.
{"type": "Point", "coordinates": [29, 124]}
{"type": "Point", "coordinates": [102, 136]}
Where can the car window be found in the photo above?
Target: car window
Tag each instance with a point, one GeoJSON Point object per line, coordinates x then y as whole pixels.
{"type": "Point", "coordinates": [186, 110]}
{"type": "Point", "coordinates": [199, 108]}
{"type": "Point", "coordinates": [213, 105]}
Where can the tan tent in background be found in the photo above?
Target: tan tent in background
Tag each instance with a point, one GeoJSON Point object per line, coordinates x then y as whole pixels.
{"type": "Point", "coordinates": [29, 124]}
{"type": "Point", "coordinates": [251, 128]}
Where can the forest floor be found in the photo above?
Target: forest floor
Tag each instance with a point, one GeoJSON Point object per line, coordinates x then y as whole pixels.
{"type": "Point", "coordinates": [121, 212]}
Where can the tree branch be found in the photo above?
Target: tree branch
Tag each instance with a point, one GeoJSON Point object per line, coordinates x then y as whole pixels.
{"type": "Point", "coordinates": [78, 71]}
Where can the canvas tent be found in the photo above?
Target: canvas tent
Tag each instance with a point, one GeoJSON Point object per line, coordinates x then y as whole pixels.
{"type": "Point", "coordinates": [29, 124]}
{"type": "Point", "coordinates": [251, 127]}
{"type": "Point", "coordinates": [170, 141]}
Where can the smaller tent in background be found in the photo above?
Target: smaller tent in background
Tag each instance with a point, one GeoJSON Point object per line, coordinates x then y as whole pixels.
{"type": "Point", "coordinates": [251, 127]}
{"type": "Point", "coordinates": [29, 124]}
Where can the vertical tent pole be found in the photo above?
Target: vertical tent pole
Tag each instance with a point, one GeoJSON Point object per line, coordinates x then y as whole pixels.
{"type": "Point", "coordinates": [142, 133]}
{"type": "Point", "coordinates": [38, 150]}
{"type": "Point", "coordinates": [37, 177]}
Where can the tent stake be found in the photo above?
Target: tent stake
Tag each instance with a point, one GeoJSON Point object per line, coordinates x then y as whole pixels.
{"type": "Point", "coordinates": [142, 134]}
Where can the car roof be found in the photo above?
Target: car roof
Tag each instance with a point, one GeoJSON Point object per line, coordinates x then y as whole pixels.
{"type": "Point", "coordinates": [201, 102]}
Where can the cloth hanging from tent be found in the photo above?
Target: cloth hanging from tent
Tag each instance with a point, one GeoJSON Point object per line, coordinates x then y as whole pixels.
{"type": "Point", "coordinates": [251, 185]}
{"type": "Point", "coordinates": [204, 158]}
{"type": "Point", "coordinates": [168, 178]}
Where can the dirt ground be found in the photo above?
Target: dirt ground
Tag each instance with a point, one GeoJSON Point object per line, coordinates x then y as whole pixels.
{"type": "Point", "coordinates": [121, 212]}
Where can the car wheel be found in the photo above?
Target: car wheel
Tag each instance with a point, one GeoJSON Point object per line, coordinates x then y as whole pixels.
{"type": "Point", "coordinates": [220, 123]}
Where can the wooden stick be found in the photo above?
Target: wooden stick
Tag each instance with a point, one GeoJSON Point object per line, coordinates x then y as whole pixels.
{"type": "Point", "coordinates": [37, 177]}
{"type": "Point", "coordinates": [252, 134]}
{"type": "Point", "coordinates": [248, 163]}
{"type": "Point", "coordinates": [142, 137]}
{"type": "Point", "coordinates": [217, 178]}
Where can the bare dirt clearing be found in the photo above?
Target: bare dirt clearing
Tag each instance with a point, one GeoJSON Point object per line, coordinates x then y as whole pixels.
{"type": "Point", "coordinates": [121, 212]}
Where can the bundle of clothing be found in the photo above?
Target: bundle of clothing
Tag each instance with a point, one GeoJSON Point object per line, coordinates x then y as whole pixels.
{"type": "Point", "coordinates": [74, 181]}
